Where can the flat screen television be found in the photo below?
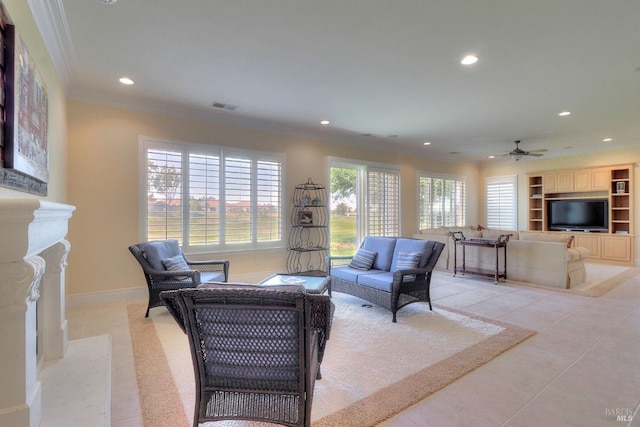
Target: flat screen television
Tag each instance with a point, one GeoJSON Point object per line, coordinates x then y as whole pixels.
{"type": "Point", "coordinates": [578, 215]}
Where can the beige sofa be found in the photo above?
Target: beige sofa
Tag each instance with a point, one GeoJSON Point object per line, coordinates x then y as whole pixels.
{"type": "Point", "coordinates": [543, 258]}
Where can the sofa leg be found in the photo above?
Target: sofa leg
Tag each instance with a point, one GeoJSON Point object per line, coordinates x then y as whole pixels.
{"type": "Point", "coordinates": [394, 317]}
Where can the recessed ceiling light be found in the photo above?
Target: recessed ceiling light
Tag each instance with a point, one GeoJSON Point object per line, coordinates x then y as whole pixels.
{"type": "Point", "coordinates": [469, 59]}
{"type": "Point", "coordinates": [492, 157]}
{"type": "Point", "coordinates": [564, 113]}
{"type": "Point", "coordinates": [426, 143]}
{"type": "Point", "coordinates": [126, 81]}
{"type": "Point", "coordinates": [325, 122]}
{"type": "Point", "coordinates": [107, 1]}
{"type": "Point", "coordinates": [607, 140]}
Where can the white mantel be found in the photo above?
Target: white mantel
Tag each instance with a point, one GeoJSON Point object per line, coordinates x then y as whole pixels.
{"type": "Point", "coordinates": [33, 254]}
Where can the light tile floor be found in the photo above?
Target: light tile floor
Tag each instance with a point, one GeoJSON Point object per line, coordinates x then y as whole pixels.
{"type": "Point", "coordinates": [581, 368]}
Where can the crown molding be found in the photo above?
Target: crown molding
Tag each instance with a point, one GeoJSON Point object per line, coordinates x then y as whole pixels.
{"type": "Point", "coordinates": [52, 23]}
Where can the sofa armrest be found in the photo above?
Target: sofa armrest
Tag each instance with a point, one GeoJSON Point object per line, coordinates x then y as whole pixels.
{"type": "Point", "coordinates": [443, 260]}
{"type": "Point", "coordinates": [577, 252]}
{"type": "Point", "coordinates": [337, 261]}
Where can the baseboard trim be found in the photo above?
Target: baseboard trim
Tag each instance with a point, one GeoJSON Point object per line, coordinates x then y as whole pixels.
{"type": "Point", "coordinates": [107, 297]}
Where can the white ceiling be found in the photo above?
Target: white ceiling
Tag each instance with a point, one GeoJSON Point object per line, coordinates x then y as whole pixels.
{"type": "Point", "coordinates": [386, 68]}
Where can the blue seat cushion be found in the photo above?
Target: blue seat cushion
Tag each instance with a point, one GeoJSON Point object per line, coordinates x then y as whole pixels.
{"type": "Point", "coordinates": [380, 281]}
{"type": "Point", "coordinates": [351, 274]}
{"type": "Point", "coordinates": [384, 246]}
{"type": "Point", "coordinates": [155, 252]}
{"type": "Point", "coordinates": [412, 245]}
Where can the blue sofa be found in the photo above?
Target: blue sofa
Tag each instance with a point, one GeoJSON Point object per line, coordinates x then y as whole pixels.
{"type": "Point", "coordinates": [386, 271]}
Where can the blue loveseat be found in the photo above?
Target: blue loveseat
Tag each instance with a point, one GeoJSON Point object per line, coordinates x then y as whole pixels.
{"type": "Point", "coordinates": [386, 271]}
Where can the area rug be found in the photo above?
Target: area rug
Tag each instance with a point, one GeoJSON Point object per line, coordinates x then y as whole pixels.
{"type": "Point", "coordinates": [372, 369]}
{"type": "Point", "coordinates": [601, 278]}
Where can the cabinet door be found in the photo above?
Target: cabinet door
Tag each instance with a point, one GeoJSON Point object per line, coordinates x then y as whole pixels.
{"type": "Point", "coordinates": [550, 183]}
{"type": "Point", "coordinates": [600, 179]}
{"type": "Point", "coordinates": [582, 180]}
{"type": "Point", "coordinates": [565, 182]}
{"type": "Point", "coordinates": [617, 248]}
{"type": "Point", "coordinates": [590, 242]}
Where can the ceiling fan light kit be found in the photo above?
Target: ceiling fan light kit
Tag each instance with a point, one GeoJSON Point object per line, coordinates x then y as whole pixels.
{"type": "Point", "coordinates": [516, 154]}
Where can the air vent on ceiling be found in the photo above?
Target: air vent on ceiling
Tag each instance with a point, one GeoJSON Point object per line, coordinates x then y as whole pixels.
{"type": "Point", "coordinates": [224, 106]}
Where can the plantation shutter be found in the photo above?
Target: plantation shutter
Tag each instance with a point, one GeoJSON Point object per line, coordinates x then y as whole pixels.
{"type": "Point", "coordinates": [238, 190]}
{"type": "Point", "coordinates": [204, 196]}
{"type": "Point", "coordinates": [269, 183]}
{"type": "Point", "coordinates": [442, 202]}
{"type": "Point", "coordinates": [501, 198]}
{"type": "Point", "coordinates": [164, 194]}
{"type": "Point", "coordinates": [204, 200]}
{"type": "Point", "coordinates": [383, 202]}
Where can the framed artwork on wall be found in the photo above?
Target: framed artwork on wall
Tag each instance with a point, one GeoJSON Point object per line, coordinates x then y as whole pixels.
{"type": "Point", "coordinates": [26, 135]}
{"type": "Point", "coordinates": [24, 144]}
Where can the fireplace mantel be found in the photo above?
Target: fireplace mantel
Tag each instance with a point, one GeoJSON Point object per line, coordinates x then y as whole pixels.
{"type": "Point", "coordinates": [33, 254]}
{"type": "Point", "coordinates": [29, 226]}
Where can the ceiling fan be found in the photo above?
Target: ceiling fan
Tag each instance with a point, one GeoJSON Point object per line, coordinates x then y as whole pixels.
{"type": "Point", "coordinates": [516, 154]}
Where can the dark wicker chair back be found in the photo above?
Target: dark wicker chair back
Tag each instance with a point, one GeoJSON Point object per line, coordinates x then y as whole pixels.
{"type": "Point", "coordinates": [256, 353]}
{"type": "Point", "coordinates": [159, 279]}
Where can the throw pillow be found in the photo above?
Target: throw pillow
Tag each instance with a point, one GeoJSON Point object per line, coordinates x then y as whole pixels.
{"type": "Point", "coordinates": [407, 260]}
{"type": "Point", "coordinates": [363, 259]}
{"type": "Point", "coordinates": [175, 263]}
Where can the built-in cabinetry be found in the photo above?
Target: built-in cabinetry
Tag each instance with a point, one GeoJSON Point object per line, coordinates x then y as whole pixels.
{"type": "Point", "coordinates": [613, 183]}
{"type": "Point", "coordinates": [309, 237]}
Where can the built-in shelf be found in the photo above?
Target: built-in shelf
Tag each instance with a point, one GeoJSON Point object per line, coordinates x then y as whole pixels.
{"type": "Point", "coordinates": [612, 183]}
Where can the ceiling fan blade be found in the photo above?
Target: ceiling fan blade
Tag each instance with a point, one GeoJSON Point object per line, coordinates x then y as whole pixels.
{"type": "Point", "coordinates": [535, 154]}
{"type": "Point", "coordinates": [542, 150]}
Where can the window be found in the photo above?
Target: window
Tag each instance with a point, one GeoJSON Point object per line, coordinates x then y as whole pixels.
{"type": "Point", "coordinates": [501, 197]}
{"type": "Point", "coordinates": [365, 201]}
{"type": "Point", "coordinates": [383, 202]}
{"type": "Point", "coordinates": [210, 197]}
{"type": "Point", "coordinates": [441, 201]}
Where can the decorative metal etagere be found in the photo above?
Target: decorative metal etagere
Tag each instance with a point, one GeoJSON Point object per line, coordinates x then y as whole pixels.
{"type": "Point", "coordinates": [309, 237]}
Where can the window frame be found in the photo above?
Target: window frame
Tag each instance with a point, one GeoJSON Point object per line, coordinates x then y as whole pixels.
{"type": "Point", "coordinates": [224, 153]}
{"type": "Point", "coordinates": [457, 179]}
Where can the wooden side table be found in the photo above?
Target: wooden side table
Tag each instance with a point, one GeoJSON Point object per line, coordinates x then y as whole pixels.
{"type": "Point", "coordinates": [500, 242]}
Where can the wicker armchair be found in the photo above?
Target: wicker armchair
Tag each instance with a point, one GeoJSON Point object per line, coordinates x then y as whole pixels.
{"type": "Point", "coordinates": [256, 352]}
{"type": "Point", "coordinates": [152, 257]}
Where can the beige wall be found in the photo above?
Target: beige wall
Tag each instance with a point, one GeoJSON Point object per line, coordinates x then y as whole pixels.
{"type": "Point", "coordinates": [20, 13]}
{"type": "Point", "coordinates": [103, 184]}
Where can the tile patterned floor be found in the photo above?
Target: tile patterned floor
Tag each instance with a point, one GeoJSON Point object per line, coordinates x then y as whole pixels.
{"type": "Point", "coordinates": [581, 369]}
